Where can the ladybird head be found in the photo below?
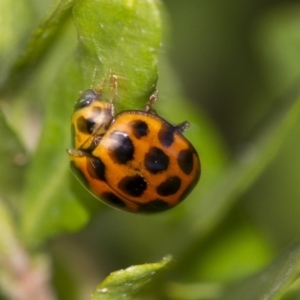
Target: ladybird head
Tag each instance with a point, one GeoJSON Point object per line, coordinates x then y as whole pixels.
{"type": "Point", "coordinates": [90, 120]}
{"type": "Point", "coordinates": [86, 98]}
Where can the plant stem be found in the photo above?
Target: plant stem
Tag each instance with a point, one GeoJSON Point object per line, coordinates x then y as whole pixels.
{"type": "Point", "coordinates": [22, 277]}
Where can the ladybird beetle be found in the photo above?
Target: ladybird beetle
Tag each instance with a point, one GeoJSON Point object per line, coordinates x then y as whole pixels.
{"type": "Point", "coordinates": [134, 161]}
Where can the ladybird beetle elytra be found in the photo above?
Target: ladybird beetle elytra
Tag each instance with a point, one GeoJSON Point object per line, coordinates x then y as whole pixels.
{"type": "Point", "coordinates": [135, 161]}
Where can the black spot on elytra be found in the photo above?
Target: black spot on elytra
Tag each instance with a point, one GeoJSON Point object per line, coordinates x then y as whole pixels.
{"type": "Point", "coordinates": [78, 173]}
{"type": "Point", "coordinates": [85, 125]}
{"type": "Point", "coordinates": [124, 150]}
{"type": "Point", "coordinates": [154, 206]}
{"type": "Point", "coordinates": [139, 128]}
{"type": "Point", "coordinates": [166, 135]}
{"type": "Point", "coordinates": [96, 168]}
{"type": "Point", "coordinates": [86, 98]}
{"type": "Point", "coordinates": [169, 186]}
{"type": "Point", "coordinates": [191, 186]}
{"type": "Point", "coordinates": [133, 185]}
{"type": "Point", "coordinates": [113, 199]}
{"type": "Point", "coordinates": [156, 160]}
{"type": "Point", "coordinates": [186, 161]}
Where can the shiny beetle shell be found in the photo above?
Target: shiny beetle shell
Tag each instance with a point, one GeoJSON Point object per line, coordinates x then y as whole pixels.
{"type": "Point", "coordinates": [134, 161]}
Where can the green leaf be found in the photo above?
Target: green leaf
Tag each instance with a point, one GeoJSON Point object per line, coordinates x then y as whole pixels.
{"type": "Point", "coordinates": [272, 282]}
{"type": "Point", "coordinates": [48, 204]}
{"type": "Point", "coordinates": [239, 176]}
{"type": "Point", "coordinates": [38, 44]}
{"type": "Point", "coordinates": [247, 167]}
{"type": "Point", "coordinates": [12, 31]}
{"type": "Point", "coordinates": [12, 163]}
{"type": "Point", "coordinates": [9, 245]}
{"type": "Point", "coordinates": [121, 36]}
{"type": "Point", "coordinates": [129, 282]}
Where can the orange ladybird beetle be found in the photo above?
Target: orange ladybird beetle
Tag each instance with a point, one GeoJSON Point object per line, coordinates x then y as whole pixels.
{"type": "Point", "coordinates": [135, 161]}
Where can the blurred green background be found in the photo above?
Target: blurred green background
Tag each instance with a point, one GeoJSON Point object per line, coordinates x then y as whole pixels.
{"type": "Point", "coordinates": [229, 67]}
{"type": "Point", "coordinates": [238, 61]}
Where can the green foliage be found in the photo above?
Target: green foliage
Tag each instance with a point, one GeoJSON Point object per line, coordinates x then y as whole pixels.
{"type": "Point", "coordinates": [48, 174]}
{"type": "Point", "coordinates": [129, 282]}
{"type": "Point", "coordinates": [122, 37]}
{"type": "Point", "coordinates": [217, 240]}
{"type": "Point", "coordinates": [272, 282]}
{"type": "Point", "coordinates": [15, 158]}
